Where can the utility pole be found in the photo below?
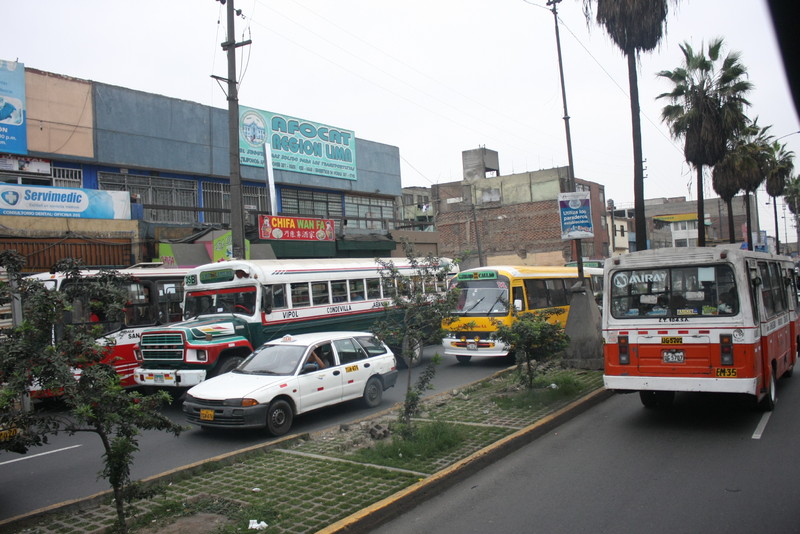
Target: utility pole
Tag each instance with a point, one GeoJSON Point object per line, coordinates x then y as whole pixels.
{"type": "Point", "coordinates": [570, 163]}
{"type": "Point", "coordinates": [237, 202]}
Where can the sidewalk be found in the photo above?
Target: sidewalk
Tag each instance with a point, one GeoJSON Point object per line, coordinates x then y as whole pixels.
{"type": "Point", "coordinates": [315, 483]}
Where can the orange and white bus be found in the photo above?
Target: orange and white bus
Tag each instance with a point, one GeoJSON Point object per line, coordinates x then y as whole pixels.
{"type": "Point", "coordinates": [155, 298]}
{"type": "Point", "coordinates": [715, 319]}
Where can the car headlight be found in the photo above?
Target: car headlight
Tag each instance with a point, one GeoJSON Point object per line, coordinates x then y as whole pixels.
{"type": "Point", "coordinates": [240, 403]}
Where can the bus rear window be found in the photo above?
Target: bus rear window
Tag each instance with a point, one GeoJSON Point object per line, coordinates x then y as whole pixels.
{"type": "Point", "coordinates": [674, 292]}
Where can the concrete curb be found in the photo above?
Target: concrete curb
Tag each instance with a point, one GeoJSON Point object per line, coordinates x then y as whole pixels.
{"type": "Point", "coordinates": [371, 517]}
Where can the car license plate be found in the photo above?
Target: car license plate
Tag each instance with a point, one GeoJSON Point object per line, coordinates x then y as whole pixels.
{"type": "Point", "coordinates": [206, 415]}
{"type": "Point", "coordinates": [159, 379]}
{"type": "Point", "coordinates": [672, 356]}
{"type": "Point", "coordinates": [675, 340]}
{"type": "Point", "coordinates": [472, 346]}
{"type": "Point", "coordinates": [725, 372]}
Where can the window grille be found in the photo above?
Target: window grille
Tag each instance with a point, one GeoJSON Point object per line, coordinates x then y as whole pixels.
{"type": "Point", "coordinates": [67, 177]}
{"type": "Point", "coordinates": [156, 190]}
{"type": "Point", "coordinates": [218, 196]}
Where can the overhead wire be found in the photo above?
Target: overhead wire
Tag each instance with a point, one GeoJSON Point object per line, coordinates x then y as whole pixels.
{"type": "Point", "coordinates": [392, 75]}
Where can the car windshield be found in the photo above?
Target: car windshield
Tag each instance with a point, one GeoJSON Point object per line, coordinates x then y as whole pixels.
{"type": "Point", "coordinates": [240, 300]}
{"type": "Point", "coordinates": [273, 360]}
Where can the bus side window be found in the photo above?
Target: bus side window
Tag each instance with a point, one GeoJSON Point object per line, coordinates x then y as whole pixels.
{"type": "Point", "coordinates": [766, 290]}
{"type": "Point", "coordinates": [275, 296]}
{"type": "Point", "coordinates": [339, 290]}
{"type": "Point", "coordinates": [356, 290]}
{"type": "Point", "coordinates": [319, 293]}
{"type": "Point", "coordinates": [557, 292]}
{"type": "Point", "coordinates": [300, 294]}
{"type": "Point", "coordinates": [373, 288]}
{"type": "Point", "coordinates": [170, 297]}
{"type": "Point", "coordinates": [537, 294]}
{"type": "Point", "coordinates": [140, 310]}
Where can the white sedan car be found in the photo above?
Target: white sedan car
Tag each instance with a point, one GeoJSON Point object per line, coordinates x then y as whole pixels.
{"type": "Point", "coordinates": [293, 375]}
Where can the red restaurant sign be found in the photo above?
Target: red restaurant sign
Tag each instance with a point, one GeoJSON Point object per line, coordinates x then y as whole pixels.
{"type": "Point", "coordinates": [295, 228]}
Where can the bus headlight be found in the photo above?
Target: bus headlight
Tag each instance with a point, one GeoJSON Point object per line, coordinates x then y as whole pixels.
{"type": "Point", "coordinates": [202, 356]}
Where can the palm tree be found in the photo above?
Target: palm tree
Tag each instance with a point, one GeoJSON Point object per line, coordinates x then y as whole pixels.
{"type": "Point", "coordinates": [743, 166]}
{"type": "Point", "coordinates": [634, 26]}
{"type": "Point", "coordinates": [791, 196]}
{"type": "Point", "coordinates": [781, 166]}
{"type": "Point", "coordinates": [727, 189]}
{"type": "Point", "coordinates": [706, 109]}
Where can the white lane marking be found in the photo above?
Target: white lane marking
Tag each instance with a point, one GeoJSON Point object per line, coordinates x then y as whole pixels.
{"type": "Point", "coordinates": [40, 454]}
{"type": "Point", "coordinates": [761, 425]}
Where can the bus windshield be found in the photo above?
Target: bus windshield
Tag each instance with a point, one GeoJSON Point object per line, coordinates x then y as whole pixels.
{"type": "Point", "coordinates": [240, 300]}
{"type": "Point", "coordinates": [483, 297]}
{"type": "Point", "coordinates": [674, 292]}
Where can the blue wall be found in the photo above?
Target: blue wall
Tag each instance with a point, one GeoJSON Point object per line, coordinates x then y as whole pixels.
{"type": "Point", "coordinates": [147, 131]}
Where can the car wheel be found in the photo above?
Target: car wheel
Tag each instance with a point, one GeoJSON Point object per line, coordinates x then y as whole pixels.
{"type": "Point", "coordinates": [414, 349]}
{"type": "Point", "coordinates": [279, 417]}
{"type": "Point", "coordinates": [373, 392]}
{"type": "Point", "coordinates": [229, 364]}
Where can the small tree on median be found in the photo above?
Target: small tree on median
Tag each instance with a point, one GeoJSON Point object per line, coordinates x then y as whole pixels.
{"type": "Point", "coordinates": [413, 318]}
{"type": "Point", "coordinates": [49, 353]}
{"type": "Point", "coordinates": [533, 339]}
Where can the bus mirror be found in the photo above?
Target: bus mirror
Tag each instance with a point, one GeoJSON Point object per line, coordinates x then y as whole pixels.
{"type": "Point", "coordinates": [518, 304]}
{"type": "Point", "coordinates": [756, 281]}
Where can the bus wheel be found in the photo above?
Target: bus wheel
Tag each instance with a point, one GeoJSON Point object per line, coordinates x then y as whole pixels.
{"type": "Point", "coordinates": [229, 364]}
{"type": "Point", "coordinates": [413, 348]}
{"type": "Point", "coordinates": [768, 402]}
{"type": "Point", "coordinates": [657, 399]}
{"type": "Point", "coordinates": [279, 417]}
{"type": "Point", "coordinates": [373, 392]}
{"type": "Point", "coordinates": [463, 359]}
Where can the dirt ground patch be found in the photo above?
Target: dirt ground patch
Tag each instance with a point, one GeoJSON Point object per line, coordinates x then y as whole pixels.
{"type": "Point", "coordinates": [192, 524]}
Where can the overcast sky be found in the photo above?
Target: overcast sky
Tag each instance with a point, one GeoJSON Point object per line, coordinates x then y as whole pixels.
{"type": "Point", "coordinates": [433, 78]}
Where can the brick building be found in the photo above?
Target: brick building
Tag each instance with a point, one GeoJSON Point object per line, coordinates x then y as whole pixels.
{"type": "Point", "coordinates": [514, 219]}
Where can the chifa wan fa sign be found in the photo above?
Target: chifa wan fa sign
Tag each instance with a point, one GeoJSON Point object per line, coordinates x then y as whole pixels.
{"type": "Point", "coordinates": [295, 228]}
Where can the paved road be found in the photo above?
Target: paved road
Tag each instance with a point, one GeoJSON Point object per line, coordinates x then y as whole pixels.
{"type": "Point", "coordinates": [711, 464]}
{"type": "Point", "coordinates": [67, 467]}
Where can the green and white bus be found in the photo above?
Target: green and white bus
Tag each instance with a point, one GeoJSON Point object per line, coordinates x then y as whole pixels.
{"type": "Point", "coordinates": [231, 308]}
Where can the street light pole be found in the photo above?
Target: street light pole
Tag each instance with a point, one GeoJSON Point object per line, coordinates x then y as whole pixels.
{"type": "Point", "coordinates": [237, 208]}
{"type": "Point", "coordinates": [570, 162]}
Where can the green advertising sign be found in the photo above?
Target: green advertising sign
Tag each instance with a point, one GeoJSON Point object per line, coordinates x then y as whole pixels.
{"type": "Point", "coordinates": [296, 145]}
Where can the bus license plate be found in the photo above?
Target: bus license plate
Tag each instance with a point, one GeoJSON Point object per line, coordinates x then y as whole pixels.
{"type": "Point", "coordinates": [675, 340]}
{"type": "Point", "coordinates": [725, 372]}
{"type": "Point", "coordinates": [672, 356]}
{"type": "Point", "coordinates": [159, 379]}
{"type": "Point", "coordinates": [206, 415]}
{"type": "Point", "coordinates": [472, 345]}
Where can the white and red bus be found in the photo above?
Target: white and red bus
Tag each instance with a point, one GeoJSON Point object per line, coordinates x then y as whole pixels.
{"type": "Point", "coordinates": [155, 296]}
{"type": "Point", "coordinates": [714, 319]}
